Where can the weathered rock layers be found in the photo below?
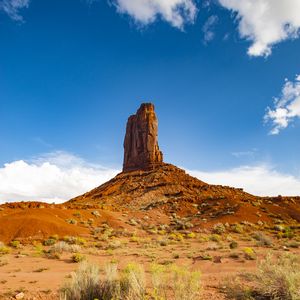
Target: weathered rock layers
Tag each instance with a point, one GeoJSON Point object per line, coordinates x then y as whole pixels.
{"type": "Point", "coordinates": [141, 151]}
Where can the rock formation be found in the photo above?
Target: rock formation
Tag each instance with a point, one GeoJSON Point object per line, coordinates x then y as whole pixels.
{"type": "Point", "coordinates": [141, 151]}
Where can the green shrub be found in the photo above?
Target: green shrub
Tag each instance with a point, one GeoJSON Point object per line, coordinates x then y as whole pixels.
{"type": "Point", "coordinates": [15, 244]}
{"type": "Point", "coordinates": [71, 221]}
{"type": "Point", "coordinates": [3, 249]}
{"type": "Point", "coordinates": [233, 245]}
{"type": "Point", "coordinates": [78, 257]}
{"type": "Point", "coordinates": [237, 228]}
{"type": "Point", "coordinates": [219, 228]}
{"type": "Point", "coordinates": [249, 253]}
{"type": "Point", "coordinates": [215, 238]}
{"type": "Point", "coordinates": [49, 242]}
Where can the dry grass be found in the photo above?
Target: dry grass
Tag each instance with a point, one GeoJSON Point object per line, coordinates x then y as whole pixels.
{"type": "Point", "coordinates": [173, 283]}
{"type": "Point", "coordinates": [275, 279]}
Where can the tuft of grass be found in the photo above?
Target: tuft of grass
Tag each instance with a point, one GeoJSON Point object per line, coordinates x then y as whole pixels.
{"type": "Point", "coordinates": [86, 283]}
{"type": "Point", "coordinates": [169, 283]}
{"type": "Point", "coordinates": [219, 228]}
{"type": "Point", "coordinates": [276, 279]}
{"type": "Point", "coordinates": [49, 242]}
{"type": "Point", "coordinates": [3, 249]}
{"type": "Point", "coordinates": [249, 253]}
{"type": "Point", "coordinates": [62, 246]}
{"type": "Point", "coordinates": [262, 239]}
{"type": "Point", "coordinates": [176, 283]}
{"type": "Point", "coordinates": [78, 257]}
{"type": "Point", "coordinates": [233, 245]}
{"type": "Point", "coordinates": [15, 244]}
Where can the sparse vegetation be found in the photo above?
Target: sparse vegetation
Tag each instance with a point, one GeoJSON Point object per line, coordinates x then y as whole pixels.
{"type": "Point", "coordinates": [276, 279]}
{"type": "Point", "coordinates": [78, 257]}
{"type": "Point", "coordinates": [3, 249]}
{"type": "Point", "coordinates": [249, 253]}
{"type": "Point", "coordinates": [262, 239]}
{"type": "Point", "coordinates": [168, 283]}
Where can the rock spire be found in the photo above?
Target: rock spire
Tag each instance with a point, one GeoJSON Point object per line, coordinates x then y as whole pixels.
{"type": "Point", "coordinates": [141, 151]}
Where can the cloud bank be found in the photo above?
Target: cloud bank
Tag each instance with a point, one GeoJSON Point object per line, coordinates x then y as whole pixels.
{"type": "Point", "coordinates": [144, 12]}
{"type": "Point", "coordinates": [265, 22]}
{"type": "Point", "coordinates": [54, 177]}
{"type": "Point", "coordinates": [12, 8]}
{"type": "Point", "coordinates": [261, 180]}
{"type": "Point", "coordinates": [286, 108]}
{"type": "Point", "coordinates": [60, 176]}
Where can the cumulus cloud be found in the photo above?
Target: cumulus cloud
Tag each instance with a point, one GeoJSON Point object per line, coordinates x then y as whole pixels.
{"type": "Point", "coordinates": [53, 177]}
{"type": "Point", "coordinates": [265, 22]}
{"type": "Point", "coordinates": [176, 12]}
{"type": "Point", "coordinates": [208, 28]}
{"type": "Point", "coordinates": [286, 108]}
{"type": "Point", "coordinates": [13, 7]}
{"type": "Point", "coordinates": [261, 180]}
{"type": "Point", "coordinates": [59, 176]}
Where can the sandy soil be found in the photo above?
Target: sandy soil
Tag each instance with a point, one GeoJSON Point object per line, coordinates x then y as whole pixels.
{"type": "Point", "coordinates": [26, 270]}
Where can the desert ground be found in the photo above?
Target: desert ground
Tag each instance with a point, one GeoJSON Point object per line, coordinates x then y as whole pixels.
{"type": "Point", "coordinates": [37, 264]}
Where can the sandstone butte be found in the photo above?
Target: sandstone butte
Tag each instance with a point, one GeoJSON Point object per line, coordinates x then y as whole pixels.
{"type": "Point", "coordinates": [146, 182]}
{"type": "Point", "coordinates": [146, 186]}
{"type": "Point", "coordinates": [141, 150]}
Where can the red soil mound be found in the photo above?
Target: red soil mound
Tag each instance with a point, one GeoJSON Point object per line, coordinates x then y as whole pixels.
{"type": "Point", "coordinates": [36, 224]}
{"type": "Point", "coordinates": [165, 195]}
{"type": "Point", "coordinates": [169, 190]}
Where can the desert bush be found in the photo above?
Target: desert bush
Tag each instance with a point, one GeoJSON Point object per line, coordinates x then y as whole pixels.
{"type": "Point", "coordinates": [176, 283]}
{"type": "Point", "coordinates": [233, 245]}
{"type": "Point", "coordinates": [262, 239]}
{"type": "Point", "coordinates": [276, 279]}
{"type": "Point", "coordinates": [49, 242]}
{"type": "Point", "coordinates": [219, 228]}
{"type": "Point", "coordinates": [86, 284]}
{"type": "Point", "coordinates": [191, 235]}
{"type": "Point", "coordinates": [215, 238]}
{"type": "Point", "coordinates": [279, 279]}
{"type": "Point", "coordinates": [51, 254]}
{"type": "Point", "coordinates": [249, 253]}
{"type": "Point", "coordinates": [237, 228]}
{"type": "Point", "coordinates": [62, 246]}
{"type": "Point", "coordinates": [115, 244]}
{"type": "Point", "coordinates": [78, 257]}
{"type": "Point", "coordinates": [71, 221]}
{"type": "Point", "coordinates": [169, 283]}
{"type": "Point", "coordinates": [3, 249]}
{"type": "Point", "coordinates": [72, 240]}
{"type": "Point", "coordinates": [15, 244]}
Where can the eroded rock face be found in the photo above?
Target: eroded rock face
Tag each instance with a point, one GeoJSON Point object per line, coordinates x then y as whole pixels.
{"type": "Point", "coordinates": [141, 151]}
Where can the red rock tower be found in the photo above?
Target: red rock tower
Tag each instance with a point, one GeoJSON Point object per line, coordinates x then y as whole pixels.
{"type": "Point", "coordinates": [141, 151]}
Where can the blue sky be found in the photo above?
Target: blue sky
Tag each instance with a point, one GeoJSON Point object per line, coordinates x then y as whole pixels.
{"type": "Point", "coordinates": [71, 72]}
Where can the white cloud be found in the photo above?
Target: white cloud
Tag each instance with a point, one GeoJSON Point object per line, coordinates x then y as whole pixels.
{"type": "Point", "coordinates": [287, 107]}
{"type": "Point", "coordinates": [261, 180]}
{"type": "Point", "coordinates": [59, 176]}
{"type": "Point", "coordinates": [13, 7]}
{"type": "Point", "coordinates": [208, 28]}
{"type": "Point", "coordinates": [265, 22]}
{"type": "Point", "coordinates": [176, 12]}
{"type": "Point", "coordinates": [53, 177]}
